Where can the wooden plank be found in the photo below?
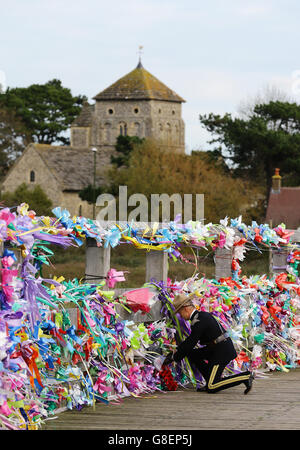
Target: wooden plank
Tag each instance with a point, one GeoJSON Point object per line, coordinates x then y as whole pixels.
{"type": "Point", "coordinates": [272, 404]}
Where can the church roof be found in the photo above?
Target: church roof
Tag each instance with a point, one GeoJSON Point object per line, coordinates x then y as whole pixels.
{"type": "Point", "coordinates": [72, 167]}
{"type": "Point", "coordinates": [84, 119]}
{"type": "Point", "coordinates": [139, 84]}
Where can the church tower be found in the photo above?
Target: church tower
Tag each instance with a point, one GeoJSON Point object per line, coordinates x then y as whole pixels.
{"type": "Point", "coordinates": [137, 104]}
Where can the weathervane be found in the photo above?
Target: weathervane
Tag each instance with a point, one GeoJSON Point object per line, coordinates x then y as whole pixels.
{"type": "Point", "coordinates": [140, 52]}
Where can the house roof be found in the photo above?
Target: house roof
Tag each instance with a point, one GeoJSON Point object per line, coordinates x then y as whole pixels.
{"type": "Point", "coordinates": [84, 119]}
{"type": "Point", "coordinates": [139, 84]}
{"type": "Point", "coordinates": [73, 167]}
{"type": "Point", "coordinates": [284, 207]}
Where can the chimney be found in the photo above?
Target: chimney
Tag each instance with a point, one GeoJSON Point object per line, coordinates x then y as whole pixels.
{"type": "Point", "coordinates": [276, 182]}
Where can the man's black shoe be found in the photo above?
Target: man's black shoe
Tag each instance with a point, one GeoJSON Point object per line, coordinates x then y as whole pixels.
{"type": "Point", "coordinates": [249, 383]}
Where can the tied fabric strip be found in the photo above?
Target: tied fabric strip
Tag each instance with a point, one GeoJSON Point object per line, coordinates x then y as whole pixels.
{"type": "Point", "coordinates": [107, 358]}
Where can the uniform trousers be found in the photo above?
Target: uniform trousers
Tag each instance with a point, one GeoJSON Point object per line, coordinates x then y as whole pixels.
{"type": "Point", "coordinates": [211, 363]}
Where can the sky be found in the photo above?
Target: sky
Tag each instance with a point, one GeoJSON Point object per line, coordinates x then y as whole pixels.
{"type": "Point", "coordinates": [214, 54]}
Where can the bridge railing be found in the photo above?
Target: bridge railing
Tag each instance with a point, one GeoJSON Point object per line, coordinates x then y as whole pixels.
{"type": "Point", "coordinates": [98, 261]}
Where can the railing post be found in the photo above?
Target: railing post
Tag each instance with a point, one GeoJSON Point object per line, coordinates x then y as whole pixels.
{"type": "Point", "coordinates": [156, 265]}
{"type": "Point", "coordinates": [223, 261]}
{"type": "Point", "coordinates": [278, 260]}
{"type": "Point", "coordinates": [278, 256]}
{"type": "Point", "coordinates": [97, 261]}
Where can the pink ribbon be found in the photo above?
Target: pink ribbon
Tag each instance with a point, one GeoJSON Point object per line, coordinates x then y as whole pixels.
{"type": "Point", "coordinates": [113, 277]}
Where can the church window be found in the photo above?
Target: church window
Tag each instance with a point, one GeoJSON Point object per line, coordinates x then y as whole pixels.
{"type": "Point", "coordinates": [123, 129]}
{"type": "Point", "coordinates": [173, 112]}
{"type": "Point", "coordinates": [110, 111]}
{"type": "Point", "coordinates": [32, 176]}
{"type": "Point", "coordinates": [136, 110]}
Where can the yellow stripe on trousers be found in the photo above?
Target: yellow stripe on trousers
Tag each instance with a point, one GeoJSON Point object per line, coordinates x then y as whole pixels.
{"type": "Point", "coordinates": [224, 381]}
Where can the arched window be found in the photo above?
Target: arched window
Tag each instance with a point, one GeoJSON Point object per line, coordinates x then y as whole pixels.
{"type": "Point", "coordinates": [32, 176]}
{"type": "Point", "coordinates": [123, 129]}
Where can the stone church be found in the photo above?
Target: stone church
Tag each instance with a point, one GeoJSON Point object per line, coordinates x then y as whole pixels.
{"type": "Point", "coordinates": [138, 104]}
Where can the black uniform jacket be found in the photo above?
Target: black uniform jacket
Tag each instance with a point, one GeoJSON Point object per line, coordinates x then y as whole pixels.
{"type": "Point", "coordinates": [204, 329]}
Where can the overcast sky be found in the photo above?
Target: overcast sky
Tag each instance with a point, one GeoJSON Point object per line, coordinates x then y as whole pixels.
{"type": "Point", "coordinates": [214, 54]}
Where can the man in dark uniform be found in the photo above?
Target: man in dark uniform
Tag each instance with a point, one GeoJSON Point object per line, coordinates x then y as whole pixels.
{"type": "Point", "coordinates": [217, 350]}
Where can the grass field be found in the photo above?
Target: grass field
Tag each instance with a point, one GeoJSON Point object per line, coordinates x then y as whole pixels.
{"type": "Point", "coordinates": [71, 264]}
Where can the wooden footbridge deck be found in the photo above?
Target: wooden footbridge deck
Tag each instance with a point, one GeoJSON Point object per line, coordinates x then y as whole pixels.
{"type": "Point", "coordinates": [272, 404]}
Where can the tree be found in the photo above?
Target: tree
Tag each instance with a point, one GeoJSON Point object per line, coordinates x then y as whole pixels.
{"type": "Point", "coordinates": [47, 110]}
{"type": "Point", "coordinates": [255, 146]}
{"type": "Point", "coordinates": [36, 198]}
{"type": "Point", "coordinates": [13, 139]}
{"type": "Point", "coordinates": [152, 170]}
{"type": "Point", "coordinates": [89, 194]}
{"type": "Point", "coordinates": [213, 157]}
{"type": "Point", "coordinates": [124, 147]}
{"type": "Point", "coordinates": [265, 95]}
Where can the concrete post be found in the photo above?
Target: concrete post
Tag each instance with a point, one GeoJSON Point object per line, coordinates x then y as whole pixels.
{"type": "Point", "coordinates": [97, 262]}
{"type": "Point", "coordinates": [223, 260]}
{"type": "Point", "coordinates": [156, 265]}
{"type": "Point", "coordinates": [278, 257]}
